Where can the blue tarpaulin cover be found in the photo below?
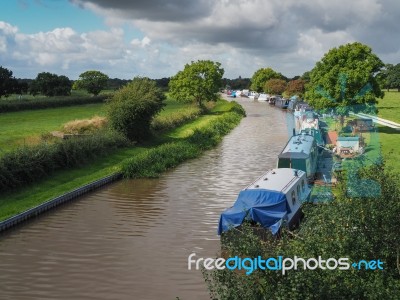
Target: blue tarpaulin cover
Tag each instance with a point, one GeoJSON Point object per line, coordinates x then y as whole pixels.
{"type": "Point", "coordinates": [260, 205]}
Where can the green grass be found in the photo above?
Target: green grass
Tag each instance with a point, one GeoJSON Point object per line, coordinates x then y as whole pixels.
{"type": "Point", "coordinates": [389, 106]}
{"type": "Point", "coordinates": [67, 180]}
{"type": "Point", "coordinates": [390, 144]}
{"type": "Point", "coordinates": [25, 127]}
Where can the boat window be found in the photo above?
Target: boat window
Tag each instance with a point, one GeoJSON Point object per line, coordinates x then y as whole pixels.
{"type": "Point", "coordinates": [303, 186]}
{"type": "Point", "coordinates": [293, 197]}
{"type": "Point", "coordinates": [298, 190]}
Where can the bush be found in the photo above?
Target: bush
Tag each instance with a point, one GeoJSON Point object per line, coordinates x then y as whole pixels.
{"type": "Point", "coordinates": [237, 108]}
{"type": "Point", "coordinates": [29, 164]}
{"type": "Point", "coordinates": [133, 107]}
{"type": "Point", "coordinates": [41, 103]}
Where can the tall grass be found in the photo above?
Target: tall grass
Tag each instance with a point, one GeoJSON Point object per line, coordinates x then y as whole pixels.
{"type": "Point", "coordinates": [174, 119]}
{"type": "Point", "coordinates": [85, 126]}
{"type": "Point", "coordinates": [153, 162]}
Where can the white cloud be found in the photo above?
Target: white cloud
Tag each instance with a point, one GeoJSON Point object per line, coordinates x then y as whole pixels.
{"type": "Point", "coordinates": [314, 43]}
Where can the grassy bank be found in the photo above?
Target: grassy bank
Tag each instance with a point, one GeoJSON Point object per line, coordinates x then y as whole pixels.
{"type": "Point", "coordinates": [67, 180]}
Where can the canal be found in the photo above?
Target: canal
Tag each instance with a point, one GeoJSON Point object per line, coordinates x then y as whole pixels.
{"type": "Point", "coordinates": [131, 239]}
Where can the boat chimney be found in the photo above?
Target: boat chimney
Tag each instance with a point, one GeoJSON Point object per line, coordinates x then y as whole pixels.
{"type": "Point", "coordinates": [294, 132]}
{"type": "Point", "coordinates": [295, 173]}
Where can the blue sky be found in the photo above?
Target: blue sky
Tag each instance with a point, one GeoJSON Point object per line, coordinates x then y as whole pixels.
{"type": "Point", "coordinates": [155, 38]}
{"type": "Point", "coordinates": [32, 16]}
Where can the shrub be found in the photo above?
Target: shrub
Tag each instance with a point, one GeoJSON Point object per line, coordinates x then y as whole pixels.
{"type": "Point", "coordinates": [237, 108]}
{"type": "Point", "coordinates": [28, 164]}
{"type": "Point", "coordinates": [85, 126]}
{"type": "Point", "coordinates": [133, 107]}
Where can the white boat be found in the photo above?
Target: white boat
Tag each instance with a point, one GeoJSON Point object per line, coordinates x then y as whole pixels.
{"type": "Point", "coordinates": [263, 97]}
{"type": "Point", "coordinates": [253, 95]}
{"type": "Point", "coordinates": [245, 93]}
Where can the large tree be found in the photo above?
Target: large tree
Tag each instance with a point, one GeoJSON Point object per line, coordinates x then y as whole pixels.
{"type": "Point", "coordinates": [393, 77]}
{"type": "Point", "coordinates": [198, 82]}
{"type": "Point", "coordinates": [92, 81]}
{"type": "Point", "coordinates": [345, 79]}
{"type": "Point", "coordinates": [8, 84]}
{"type": "Point", "coordinates": [49, 84]}
{"type": "Point", "coordinates": [296, 87]}
{"type": "Point", "coordinates": [133, 107]}
{"type": "Point", "coordinates": [275, 86]}
{"type": "Point", "coordinates": [261, 76]}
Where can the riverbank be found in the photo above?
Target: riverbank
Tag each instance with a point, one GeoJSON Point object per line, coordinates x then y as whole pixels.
{"type": "Point", "coordinates": [66, 180]}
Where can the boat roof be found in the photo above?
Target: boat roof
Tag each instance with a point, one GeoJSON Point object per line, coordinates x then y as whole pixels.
{"type": "Point", "coordinates": [348, 138]}
{"type": "Point", "coordinates": [279, 180]}
{"type": "Point", "coordinates": [298, 146]}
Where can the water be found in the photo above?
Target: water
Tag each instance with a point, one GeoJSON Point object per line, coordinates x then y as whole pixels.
{"type": "Point", "coordinates": [131, 239]}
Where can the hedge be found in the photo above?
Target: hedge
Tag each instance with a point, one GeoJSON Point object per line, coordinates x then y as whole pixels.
{"type": "Point", "coordinates": [41, 103]}
{"type": "Point", "coordinates": [31, 163]}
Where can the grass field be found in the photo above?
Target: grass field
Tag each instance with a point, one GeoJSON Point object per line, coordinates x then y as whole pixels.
{"type": "Point", "coordinates": [389, 106]}
{"type": "Point", "coordinates": [67, 180]}
{"type": "Point", "coordinates": [25, 127]}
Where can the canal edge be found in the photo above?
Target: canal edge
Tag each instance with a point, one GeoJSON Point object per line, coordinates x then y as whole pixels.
{"type": "Point", "coordinates": [53, 203]}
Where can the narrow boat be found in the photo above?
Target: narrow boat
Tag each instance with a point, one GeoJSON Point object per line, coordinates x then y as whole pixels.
{"type": "Point", "coordinates": [282, 103]}
{"type": "Point", "coordinates": [273, 200]}
{"type": "Point", "coordinates": [301, 152]}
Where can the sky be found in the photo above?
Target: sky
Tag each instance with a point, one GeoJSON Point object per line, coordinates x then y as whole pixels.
{"type": "Point", "coordinates": [156, 38]}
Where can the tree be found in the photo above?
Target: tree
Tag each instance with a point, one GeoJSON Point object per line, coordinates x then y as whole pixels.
{"type": "Point", "coordinates": [197, 82]}
{"type": "Point", "coordinates": [275, 86]}
{"type": "Point", "coordinates": [295, 87]}
{"type": "Point", "coordinates": [49, 84]}
{"type": "Point", "coordinates": [306, 76]}
{"type": "Point", "coordinates": [261, 76]}
{"type": "Point", "coordinates": [237, 83]}
{"type": "Point", "coordinates": [133, 107]}
{"type": "Point", "coordinates": [393, 77]}
{"type": "Point", "coordinates": [8, 84]}
{"type": "Point", "coordinates": [92, 81]}
{"type": "Point", "coordinates": [345, 79]}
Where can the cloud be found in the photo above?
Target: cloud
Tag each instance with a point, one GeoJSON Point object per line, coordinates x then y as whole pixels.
{"type": "Point", "coordinates": [267, 30]}
{"type": "Point", "coordinates": [64, 49]}
{"type": "Point", "coordinates": [160, 10]}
